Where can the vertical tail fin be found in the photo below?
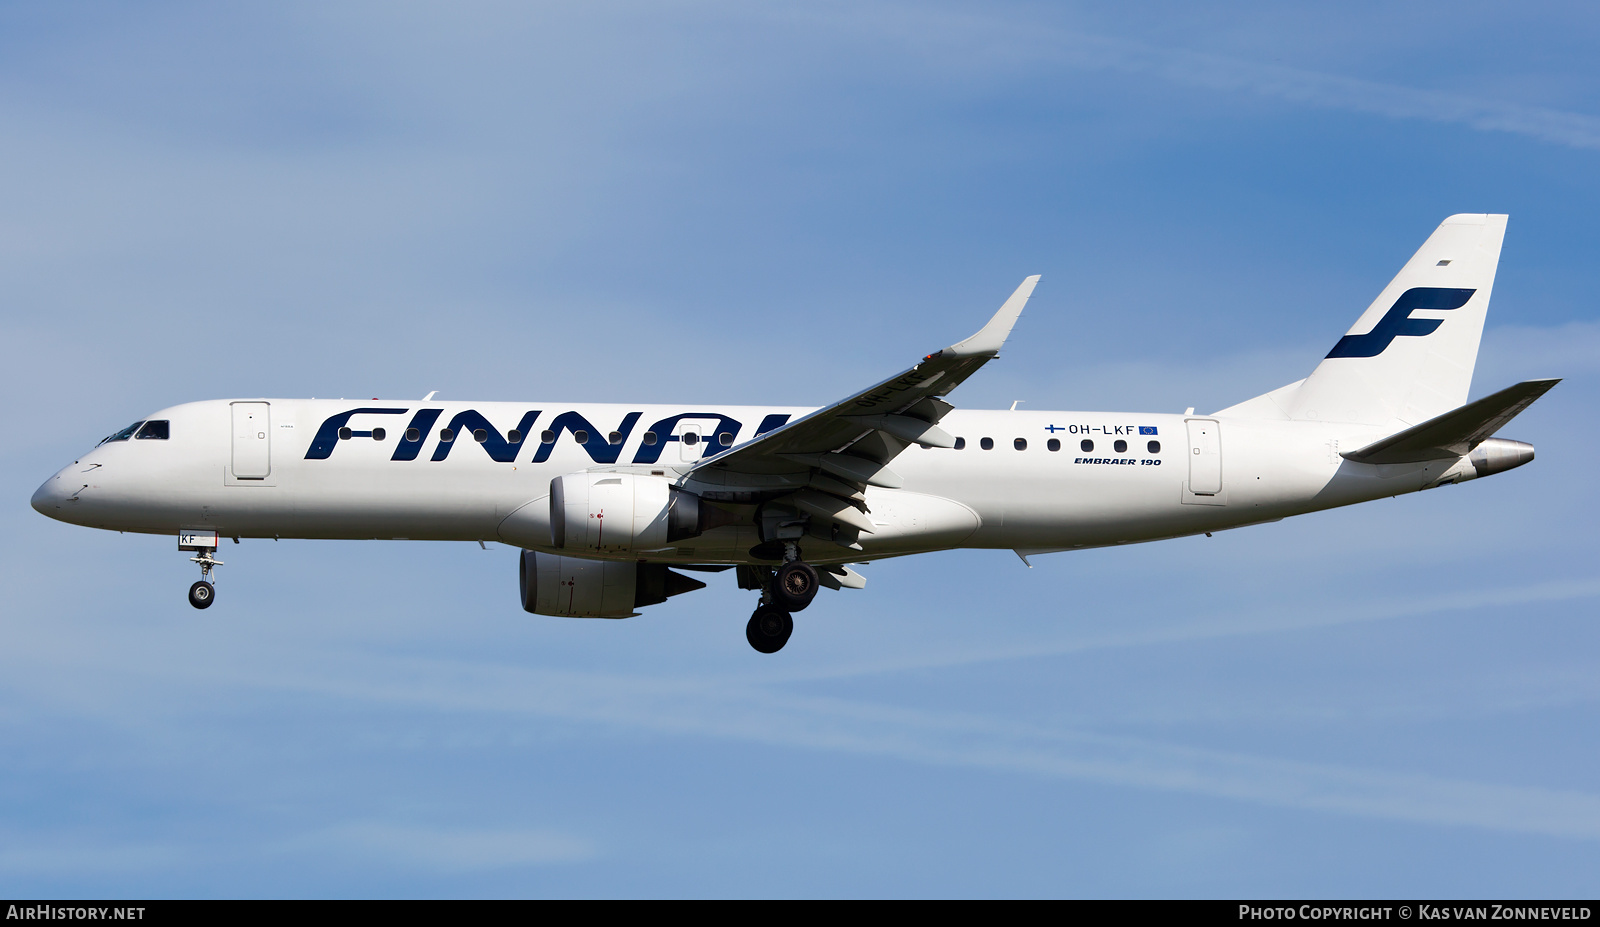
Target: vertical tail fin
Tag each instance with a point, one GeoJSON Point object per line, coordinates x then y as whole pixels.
{"type": "Point", "coordinates": [1410, 355]}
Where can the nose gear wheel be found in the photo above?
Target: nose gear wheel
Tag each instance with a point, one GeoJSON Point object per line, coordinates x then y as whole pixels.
{"type": "Point", "coordinates": [202, 594]}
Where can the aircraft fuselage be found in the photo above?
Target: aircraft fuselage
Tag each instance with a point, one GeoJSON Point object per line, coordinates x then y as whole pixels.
{"type": "Point", "coordinates": [1021, 479]}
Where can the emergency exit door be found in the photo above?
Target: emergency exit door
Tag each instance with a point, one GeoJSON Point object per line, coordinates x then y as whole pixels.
{"type": "Point", "coordinates": [252, 440]}
{"type": "Point", "coordinates": [1205, 457]}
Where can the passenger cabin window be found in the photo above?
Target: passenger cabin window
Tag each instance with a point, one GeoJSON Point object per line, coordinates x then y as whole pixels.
{"type": "Point", "coordinates": [614, 438]}
{"type": "Point", "coordinates": [448, 434]}
{"type": "Point", "coordinates": [153, 431]}
{"type": "Point", "coordinates": [547, 436]}
{"type": "Point", "coordinates": [580, 436]}
{"type": "Point", "coordinates": [480, 435]}
{"type": "Point", "coordinates": [1020, 444]}
{"type": "Point", "coordinates": [1154, 447]}
{"type": "Point", "coordinates": [1121, 447]}
{"type": "Point", "coordinates": [725, 439]}
{"type": "Point", "coordinates": [122, 435]}
{"type": "Point", "coordinates": [650, 438]}
{"type": "Point", "coordinates": [514, 436]}
{"type": "Point", "coordinates": [345, 433]}
{"type": "Point", "coordinates": [690, 438]}
{"type": "Point", "coordinates": [378, 434]}
{"type": "Point", "coordinates": [1086, 446]}
{"type": "Point", "coordinates": [413, 435]}
{"type": "Point", "coordinates": [961, 444]}
{"type": "Point", "coordinates": [986, 443]}
{"type": "Point", "coordinates": [1053, 444]}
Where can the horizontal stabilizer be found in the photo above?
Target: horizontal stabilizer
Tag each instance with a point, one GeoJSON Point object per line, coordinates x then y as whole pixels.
{"type": "Point", "coordinates": [1455, 433]}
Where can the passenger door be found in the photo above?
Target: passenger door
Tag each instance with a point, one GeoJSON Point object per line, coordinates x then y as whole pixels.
{"type": "Point", "coordinates": [1205, 457]}
{"type": "Point", "coordinates": [252, 440]}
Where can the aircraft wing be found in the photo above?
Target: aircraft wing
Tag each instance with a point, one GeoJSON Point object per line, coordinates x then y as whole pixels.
{"type": "Point", "coordinates": [848, 446]}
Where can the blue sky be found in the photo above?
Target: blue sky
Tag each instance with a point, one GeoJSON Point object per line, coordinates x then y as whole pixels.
{"type": "Point", "coordinates": [728, 202]}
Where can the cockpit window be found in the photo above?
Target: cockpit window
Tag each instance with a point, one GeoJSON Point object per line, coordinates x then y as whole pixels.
{"type": "Point", "coordinates": [154, 429]}
{"type": "Point", "coordinates": [122, 435]}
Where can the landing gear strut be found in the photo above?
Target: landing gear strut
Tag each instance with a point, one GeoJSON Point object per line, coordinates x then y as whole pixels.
{"type": "Point", "coordinates": [789, 588]}
{"type": "Point", "coordinates": [204, 545]}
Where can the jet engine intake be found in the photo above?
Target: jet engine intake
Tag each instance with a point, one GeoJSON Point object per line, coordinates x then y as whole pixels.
{"type": "Point", "coordinates": [571, 587]}
{"type": "Point", "coordinates": [621, 512]}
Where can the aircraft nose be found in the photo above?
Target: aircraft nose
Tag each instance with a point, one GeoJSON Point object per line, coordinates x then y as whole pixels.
{"type": "Point", "coordinates": [51, 496]}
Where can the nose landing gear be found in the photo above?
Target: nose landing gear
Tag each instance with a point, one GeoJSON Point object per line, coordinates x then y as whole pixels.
{"type": "Point", "coordinates": [204, 545]}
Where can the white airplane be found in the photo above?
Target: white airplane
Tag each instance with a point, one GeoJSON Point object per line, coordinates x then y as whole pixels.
{"type": "Point", "coordinates": [789, 497]}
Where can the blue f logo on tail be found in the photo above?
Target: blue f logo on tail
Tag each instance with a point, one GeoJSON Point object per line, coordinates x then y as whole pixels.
{"type": "Point", "coordinates": [1398, 321]}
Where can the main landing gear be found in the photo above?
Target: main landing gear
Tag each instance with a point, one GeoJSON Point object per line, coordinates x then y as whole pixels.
{"type": "Point", "coordinates": [769, 628]}
{"type": "Point", "coordinates": [789, 588]}
{"type": "Point", "coordinates": [794, 585]}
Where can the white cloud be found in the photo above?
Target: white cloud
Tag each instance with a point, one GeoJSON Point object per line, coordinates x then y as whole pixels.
{"type": "Point", "coordinates": [723, 709]}
{"type": "Point", "coordinates": [965, 40]}
{"type": "Point", "coordinates": [762, 715]}
{"type": "Point", "coordinates": [1327, 91]}
{"type": "Point", "coordinates": [1232, 622]}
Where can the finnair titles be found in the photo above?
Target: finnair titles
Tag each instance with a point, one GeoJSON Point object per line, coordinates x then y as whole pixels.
{"type": "Point", "coordinates": [619, 507]}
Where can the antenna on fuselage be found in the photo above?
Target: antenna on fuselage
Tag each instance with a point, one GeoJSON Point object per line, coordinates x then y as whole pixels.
{"type": "Point", "coordinates": [429, 397]}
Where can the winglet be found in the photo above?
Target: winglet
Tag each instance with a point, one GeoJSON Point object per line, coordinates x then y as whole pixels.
{"type": "Point", "coordinates": [993, 336]}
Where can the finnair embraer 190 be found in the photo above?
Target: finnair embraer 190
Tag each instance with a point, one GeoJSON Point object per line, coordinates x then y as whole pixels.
{"type": "Point", "coordinates": [605, 500]}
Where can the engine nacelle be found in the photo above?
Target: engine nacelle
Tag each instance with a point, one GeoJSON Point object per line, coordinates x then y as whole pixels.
{"type": "Point", "coordinates": [571, 587]}
{"type": "Point", "coordinates": [1497, 455]}
{"type": "Point", "coordinates": [1492, 455]}
{"type": "Point", "coordinates": [620, 512]}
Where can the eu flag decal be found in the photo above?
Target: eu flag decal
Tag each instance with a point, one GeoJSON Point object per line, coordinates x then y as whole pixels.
{"type": "Point", "coordinates": [1147, 429]}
